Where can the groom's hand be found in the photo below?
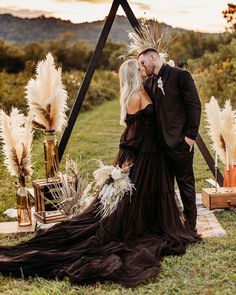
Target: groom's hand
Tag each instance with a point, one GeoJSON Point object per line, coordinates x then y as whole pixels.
{"type": "Point", "coordinates": [190, 142]}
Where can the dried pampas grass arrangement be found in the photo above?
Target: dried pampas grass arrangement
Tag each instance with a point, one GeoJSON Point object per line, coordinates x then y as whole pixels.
{"type": "Point", "coordinates": [47, 96]}
{"type": "Point", "coordinates": [69, 193]}
{"type": "Point", "coordinates": [228, 116]}
{"type": "Point", "coordinates": [149, 35]}
{"type": "Point", "coordinates": [221, 127]}
{"type": "Point", "coordinates": [16, 134]}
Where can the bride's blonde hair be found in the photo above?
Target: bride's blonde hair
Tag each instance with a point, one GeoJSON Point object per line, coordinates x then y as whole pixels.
{"type": "Point", "coordinates": [130, 84]}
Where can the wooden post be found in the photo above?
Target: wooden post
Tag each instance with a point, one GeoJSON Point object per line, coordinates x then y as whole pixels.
{"type": "Point", "coordinates": [87, 79]}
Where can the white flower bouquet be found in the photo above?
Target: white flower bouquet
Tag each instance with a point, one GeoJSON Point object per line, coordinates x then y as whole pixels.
{"type": "Point", "coordinates": [112, 183]}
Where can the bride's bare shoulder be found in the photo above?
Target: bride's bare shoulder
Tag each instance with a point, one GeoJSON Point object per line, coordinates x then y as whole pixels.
{"type": "Point", "coordinates": [134, 104]}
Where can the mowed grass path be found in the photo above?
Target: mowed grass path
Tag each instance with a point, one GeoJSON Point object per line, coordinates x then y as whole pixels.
{"type": "Point", "coordinates": [207, 268]}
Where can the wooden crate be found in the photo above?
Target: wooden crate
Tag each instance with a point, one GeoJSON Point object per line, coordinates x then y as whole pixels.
{"type": "Point", "coordinates": [219, 200]}
{"type": "Point", "coordinates": [43, 194]}
{"type": "Point", "coordinates": [45, 211]}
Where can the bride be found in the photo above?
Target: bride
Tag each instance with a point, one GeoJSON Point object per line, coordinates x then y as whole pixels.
{"type": "Point", "coordinates": [128, 245]}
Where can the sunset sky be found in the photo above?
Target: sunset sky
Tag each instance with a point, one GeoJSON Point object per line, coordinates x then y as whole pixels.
{"type": "Point", "coordinates": [200, 15]}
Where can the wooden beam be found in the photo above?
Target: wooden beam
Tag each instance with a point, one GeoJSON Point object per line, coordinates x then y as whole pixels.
{"type": "Point", "coordinates": [87, 79]}
{"type": "Point", "coordinates": [129, 13]}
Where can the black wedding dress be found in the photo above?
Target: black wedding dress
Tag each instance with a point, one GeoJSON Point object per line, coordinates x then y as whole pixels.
{"type": "Point", "coordinates": [126, 247]}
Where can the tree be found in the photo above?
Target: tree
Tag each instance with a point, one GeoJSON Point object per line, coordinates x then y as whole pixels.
{"type": "Point", "coordinates": [230, 16]}
{"type": "Point", "coordinates": [11, 57]}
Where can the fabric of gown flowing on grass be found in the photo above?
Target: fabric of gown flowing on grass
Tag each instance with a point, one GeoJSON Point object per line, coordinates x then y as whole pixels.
{"type": "Point", "coordinates": [127, 246]}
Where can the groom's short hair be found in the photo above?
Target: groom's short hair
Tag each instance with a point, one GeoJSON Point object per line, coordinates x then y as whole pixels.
{"type": "Point", "coordinates": [147, 50]}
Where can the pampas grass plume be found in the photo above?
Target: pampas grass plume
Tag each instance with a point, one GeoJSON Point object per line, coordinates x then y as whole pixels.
{"type": "Point", "coordinates": [16, 134]}
{"type": "Point", "coordinates": [47, 96]}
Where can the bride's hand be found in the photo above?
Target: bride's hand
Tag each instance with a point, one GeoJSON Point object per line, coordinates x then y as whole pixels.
{"type": "Point", "coordinates": [125, 166]}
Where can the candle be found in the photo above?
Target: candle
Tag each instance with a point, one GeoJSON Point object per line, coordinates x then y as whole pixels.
{"type": "Point", "coordinates": [216, 160]}
{"type": "Point", "coordinates": [227, 159]}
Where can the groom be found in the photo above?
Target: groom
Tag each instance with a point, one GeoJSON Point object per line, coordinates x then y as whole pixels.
{"type": "Point", "coordinates": [178, 110]}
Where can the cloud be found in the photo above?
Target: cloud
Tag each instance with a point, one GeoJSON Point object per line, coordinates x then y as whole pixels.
{"type": "Point", "coordinates": [142, 6]}
{"type": "Point", "coordinates": [24, 12]}
{"type": "Point", "coordinates": [183, 12]}
{"type": "Point", "coordinates": [87, 1]}
{"type": "Point", "coordinates": [95, 1]}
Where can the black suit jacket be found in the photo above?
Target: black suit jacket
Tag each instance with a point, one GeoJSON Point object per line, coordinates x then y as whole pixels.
{"type": "Point", "coordinates": [179, 109]}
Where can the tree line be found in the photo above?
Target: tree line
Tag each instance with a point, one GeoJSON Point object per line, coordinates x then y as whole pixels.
{"type": "Point", "coordinates": [15, 58]}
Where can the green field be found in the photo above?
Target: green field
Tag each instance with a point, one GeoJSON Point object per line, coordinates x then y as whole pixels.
{"type": "Point", "coordinates": [207, 268]}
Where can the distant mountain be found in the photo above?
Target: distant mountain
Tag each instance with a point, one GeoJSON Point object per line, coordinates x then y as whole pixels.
{"type": "Point", "coordinates": [24, 30]}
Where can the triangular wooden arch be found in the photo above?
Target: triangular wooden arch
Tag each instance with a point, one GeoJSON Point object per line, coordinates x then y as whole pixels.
{"type": "Point", "coordinates": [89, 74]}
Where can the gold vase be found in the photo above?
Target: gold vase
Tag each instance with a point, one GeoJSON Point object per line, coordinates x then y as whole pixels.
{"type": "Point", "coordinates": [24, 217]}
{"type": "Point", "coordinates": [51, 158]}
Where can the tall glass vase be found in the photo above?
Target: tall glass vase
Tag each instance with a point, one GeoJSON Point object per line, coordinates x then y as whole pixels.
{"type": "Point", "coordinates": [24, 217]}
{"type": "Point", "coordinates": [51, 158]}
{"type": "Point", "coordinates": [230, 176]}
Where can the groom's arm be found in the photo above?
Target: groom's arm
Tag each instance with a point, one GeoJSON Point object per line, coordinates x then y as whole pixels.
{"type": "Point", "coordinates": [191, 102]}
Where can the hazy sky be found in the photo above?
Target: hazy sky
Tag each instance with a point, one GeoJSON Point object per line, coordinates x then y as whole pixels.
{"type": "Point", "coordinates": [200, 15]}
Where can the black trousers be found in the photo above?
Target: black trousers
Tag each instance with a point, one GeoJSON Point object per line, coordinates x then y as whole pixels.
{"type": "Point", "coordinates": [180, 164]}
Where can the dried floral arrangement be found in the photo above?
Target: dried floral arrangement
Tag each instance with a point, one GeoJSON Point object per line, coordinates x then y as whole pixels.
{"type": "Point", "coordinates": [17, 135]}
{"type": "Point", "coordinates": [73, 195]}
{"type": "Point", "coordinates": [150, 35]}
{"type": "Point", "coordinates": [69, 192]}
{"type": "Point", "coordinates": [221, 125]}
{"type": "Point", "coordinates": [47, 96]}
{"type": "Point", "coordinates": [47, 101]}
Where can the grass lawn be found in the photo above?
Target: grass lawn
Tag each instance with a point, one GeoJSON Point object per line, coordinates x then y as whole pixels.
{"type": "Point", "coordinates": [207, 268]}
